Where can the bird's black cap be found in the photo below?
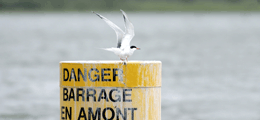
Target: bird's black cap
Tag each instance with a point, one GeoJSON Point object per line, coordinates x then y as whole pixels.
{"type": "Point", "coordinates": [133, 47]}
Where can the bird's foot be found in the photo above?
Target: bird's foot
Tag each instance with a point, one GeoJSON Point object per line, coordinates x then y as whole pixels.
{"type": "Point", "coordinates": [124, 61]}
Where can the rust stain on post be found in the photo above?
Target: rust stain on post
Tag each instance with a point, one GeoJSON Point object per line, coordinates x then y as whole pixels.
{"type": "Point", "coordinates": [110, 90]}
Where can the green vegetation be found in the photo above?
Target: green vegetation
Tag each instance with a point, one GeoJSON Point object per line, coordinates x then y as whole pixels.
{"type": "Point", "coordinates": [130, 5]}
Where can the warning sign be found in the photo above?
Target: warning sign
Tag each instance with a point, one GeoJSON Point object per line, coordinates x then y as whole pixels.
{"type": "Point", "coordinates": [110, 91]}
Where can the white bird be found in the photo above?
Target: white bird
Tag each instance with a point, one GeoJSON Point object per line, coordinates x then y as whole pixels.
{"type": "Point", "coordinates": [123, 49]}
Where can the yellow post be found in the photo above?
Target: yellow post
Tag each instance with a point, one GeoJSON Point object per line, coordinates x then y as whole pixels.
{"type": "Point", "coordinates": [110, 90]}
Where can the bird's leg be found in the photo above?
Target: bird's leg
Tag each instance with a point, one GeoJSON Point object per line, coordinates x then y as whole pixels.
{"type": "Point", "coordinates": [125, 61]}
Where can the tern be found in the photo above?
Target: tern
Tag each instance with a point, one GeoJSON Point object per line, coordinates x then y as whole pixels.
{"type": "Point", "coordinates": [123, 49]}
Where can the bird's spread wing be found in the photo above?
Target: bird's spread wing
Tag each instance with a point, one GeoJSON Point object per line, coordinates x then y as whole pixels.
{"type": "Point", "coordinates": [120, 34]}
{"type": "Point", "coordinates": [129, 31]}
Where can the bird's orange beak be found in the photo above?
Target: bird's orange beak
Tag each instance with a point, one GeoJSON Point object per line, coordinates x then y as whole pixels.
{"type": "Point", "coordinates": [138, 48]}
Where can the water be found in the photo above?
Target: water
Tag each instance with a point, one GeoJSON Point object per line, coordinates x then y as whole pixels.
{"type": "Point", "coordinates": [210, 60]}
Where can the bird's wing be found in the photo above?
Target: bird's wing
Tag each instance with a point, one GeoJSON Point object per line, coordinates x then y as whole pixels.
{"type": "Point", "coordinates": [120, 34]}
{"type": "Point", "coordinates": [129, 31]}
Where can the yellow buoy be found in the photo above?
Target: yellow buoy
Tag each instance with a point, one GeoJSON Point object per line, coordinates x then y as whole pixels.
{"type": "Point", "coordinates": [110, 90]}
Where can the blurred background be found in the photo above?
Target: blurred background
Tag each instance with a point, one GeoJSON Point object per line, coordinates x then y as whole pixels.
{"type": "Point", "coordinates": [130, 5]}
{"type": "Point", "coordinates": [209, 50]}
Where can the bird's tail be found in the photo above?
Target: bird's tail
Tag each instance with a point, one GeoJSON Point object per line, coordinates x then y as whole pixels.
{"type": "Point", "coordinates": [108, 49]}
{"type": "Point", "coordinates": [102, 48]}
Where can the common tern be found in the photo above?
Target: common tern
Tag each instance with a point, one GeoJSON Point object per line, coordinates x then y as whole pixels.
{"type": "Point", "coordinates": [123, 49]}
